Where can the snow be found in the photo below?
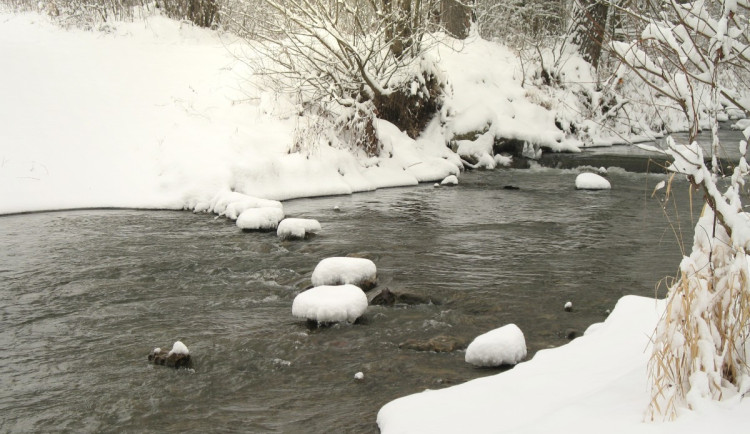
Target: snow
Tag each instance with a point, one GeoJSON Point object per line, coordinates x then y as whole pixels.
{"type": "Point", "coordinates": [596, 383]}
{"type": "Point", "coordinates": [343, 270]}
{"type": "Point", "coordinates": [592, 181]}
{"type": "Point", "coordinates": [449, 180]}
{"type": "Point", "coordinates": [178, 348]}
{"type": "Point", "coordinates": [502, 346]}
{"type": "Point", "coordinates": [568, 306]}
{"type": "Point", "coordinates": [741, 124]}
{"type": "Point", "coordinates": [266, 218]}
{"type": "Point", "coordinates": [330, 304]}
{"type": "Point", "coordinates": [359, 376]}
{"type": "Point", "coordinates": [189, 127]}
{"type": "Point", "coordinates": [160, 114]}
{"type": "Point", "coordinates": [296, 228]}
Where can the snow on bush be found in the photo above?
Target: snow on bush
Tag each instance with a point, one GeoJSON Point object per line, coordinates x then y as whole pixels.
{"type": "Point", "coordinates": [592, 181]}
{"type": "Point", "coordinates": [258, 219]}
{"type": "Point", "coordinates": [330, 304]}
{"type": "Point", "coordinates": [339, 271]}
{"type": "Point", "coordinates": [503, 346]}
{"type": "Point", "coordinates": [296, 228]}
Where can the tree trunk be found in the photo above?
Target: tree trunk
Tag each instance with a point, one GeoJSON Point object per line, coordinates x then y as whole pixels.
{"type": "Point", "coordinates": [456, 17]}
{"type": "Point", "coordinates": [589, 23]}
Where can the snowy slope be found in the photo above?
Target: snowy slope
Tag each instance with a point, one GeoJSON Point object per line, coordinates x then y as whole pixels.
{"type": "Point", "coordinates": [160, 114]}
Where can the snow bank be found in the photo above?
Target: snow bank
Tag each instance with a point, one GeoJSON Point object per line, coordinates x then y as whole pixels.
{"type": "Point", "coordinates": [330, 304]}
{"type": "Point", "coordinates": [296, 228]}
{"type": "Point", "coordinates": [502, 346]}
{"type": "Point", "coordinates": [596, 383]}
{"type": "Point", "coordinates": [338, 271]}
{"type": "Point", "coordinates": [493, 102]}
{"type": "Point", "coordinates": [592, 181]}
{"type": "Point", "coordinates": [260, 219]}
{"type": "Point", "coordinates": [190, 129]}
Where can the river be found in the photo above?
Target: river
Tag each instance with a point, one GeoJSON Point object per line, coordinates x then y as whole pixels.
{"type": "Point", "coordinates": [87, 294]}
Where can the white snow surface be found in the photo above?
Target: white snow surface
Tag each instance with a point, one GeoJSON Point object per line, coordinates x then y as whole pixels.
{"type": "Point", "coordinates": [592, 181]}
{"type": "Point", "coordinates": [266, 218]}
{"type": "Point", "coordinates": [597, 383]}
{"type": "Point", "coordinates": [330, 303]}
{"type": "Point", "coordinates": [343, 270]}
{"type": "Point", "coordinates": [161, 114]}
{"type": "Point", "coordinates": [297, 228]}
{"type": "Point", "coordinates": [179, 348]}
{"type": "Point", "coordinates": [502, 346]}
{"type": "Point", "coordinates": [449, 180]}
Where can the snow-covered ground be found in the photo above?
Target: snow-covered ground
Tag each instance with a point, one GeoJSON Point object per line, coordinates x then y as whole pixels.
{"type": "Point", "coordinates": [595, 384]}
{"type": "Point", "coordinates": [159, 114]}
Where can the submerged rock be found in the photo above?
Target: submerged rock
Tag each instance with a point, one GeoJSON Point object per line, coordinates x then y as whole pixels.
{"type": "Point", "coordinates": [386, 297]}
{"type": "Point", "coordinates": [177, 357]}
{"type": "Point", "coordinates": [438, 344]}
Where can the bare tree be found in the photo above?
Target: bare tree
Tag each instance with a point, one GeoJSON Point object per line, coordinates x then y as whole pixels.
{"type": "Point", "coordinates": [362, 58]}
{"type": "Point", "coordinates": [588, 28]}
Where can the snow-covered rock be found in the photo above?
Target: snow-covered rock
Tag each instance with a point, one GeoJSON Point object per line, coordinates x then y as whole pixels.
{"type": "Point", "coordinates": [741, 124]}
{"type": "Point", "coordinates": [340, 270]}
{"type": "Point", "coordinates": [177, 357]}
{"type": "Point", "coordinates": [296, 228]}
{"type": "Point", "coordinates": [503, 346]}
{"type": "Point", "coordinates": [592, 181]}
{"type": "Point", "coordinates": [450, 180]}
{"type": "Point", "coordinates": [330, 304]}
{"type": "Point", "coordinates": [255, 219]}
{"type": "Point", "coordinates": [179, 348]}
{"type": "Point", "coordinates": [234, 209]}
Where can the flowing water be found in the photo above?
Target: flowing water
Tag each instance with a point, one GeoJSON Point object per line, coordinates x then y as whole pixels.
{"type": "Point", "coordinates": [86, 295]}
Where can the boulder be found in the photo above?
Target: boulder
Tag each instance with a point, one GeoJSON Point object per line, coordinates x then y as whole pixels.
{"type": "Point", "coordinates": [178, 357]}
{"type": "Point", "coordinates": [333, 271]}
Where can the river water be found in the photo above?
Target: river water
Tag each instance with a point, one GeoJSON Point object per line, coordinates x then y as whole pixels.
{"type": "Point", "coordinates": [86, 295]}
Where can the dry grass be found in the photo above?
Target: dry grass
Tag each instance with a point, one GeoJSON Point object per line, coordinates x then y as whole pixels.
{"type": "Point", "coordinates": [699, 344]}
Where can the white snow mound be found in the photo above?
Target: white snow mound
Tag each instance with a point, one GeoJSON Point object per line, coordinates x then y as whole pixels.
{"type": "Point", "coordinates": [450, 180]}
{"type": "Point", "coordinates": [592, 181]}
{"type": "Point", "coordinates": [339, 271]}
{"type": "Point", "coordinates": [330, 303]}
{"type": "Point", "coordinates": [260, 218]}
{"type": "Point", "coordinates": [179, 348]}
{"type": "Point", "coordinates": [234, 209]}
{"type": "Point", "coordinates": [295, 228]}
{"type": "Point", "coordinates": [503, 346]}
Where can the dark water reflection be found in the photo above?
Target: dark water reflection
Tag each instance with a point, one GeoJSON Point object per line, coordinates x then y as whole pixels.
{"type": "Point", "coordinates": [85, 295]}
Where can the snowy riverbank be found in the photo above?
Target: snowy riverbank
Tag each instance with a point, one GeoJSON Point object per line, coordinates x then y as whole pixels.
{"type": "Point", "coordinates": [595, 384]}
{"type": "Point", "coordinates": [159, 114]}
